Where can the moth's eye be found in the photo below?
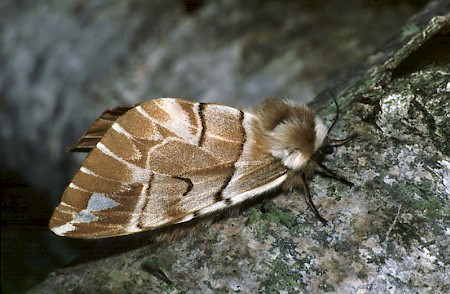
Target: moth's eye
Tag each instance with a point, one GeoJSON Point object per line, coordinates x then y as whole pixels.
{"type": "Point", "coordinates": [327, 149]}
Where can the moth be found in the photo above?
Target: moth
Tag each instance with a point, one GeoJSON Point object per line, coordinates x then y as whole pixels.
{"type": "Point", "coordinates": [169, 161]}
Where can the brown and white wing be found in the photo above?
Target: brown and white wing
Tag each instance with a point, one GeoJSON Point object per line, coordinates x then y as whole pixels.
{"type": "Point", "coordinates": [164, 161]}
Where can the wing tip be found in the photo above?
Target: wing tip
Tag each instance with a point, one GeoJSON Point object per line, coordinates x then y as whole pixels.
{"type": "Point", "coordinates": [63, 229]}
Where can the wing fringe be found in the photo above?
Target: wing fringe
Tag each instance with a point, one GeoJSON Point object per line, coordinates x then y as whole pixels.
{"type": "Point", "coordinates": [96, 131]}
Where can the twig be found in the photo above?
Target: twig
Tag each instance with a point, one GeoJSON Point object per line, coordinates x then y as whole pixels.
{"type": "Point", "coordinates": [394, 222]}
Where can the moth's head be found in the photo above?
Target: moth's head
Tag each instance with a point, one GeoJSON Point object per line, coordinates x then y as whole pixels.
{"type": "Point", "coordinates": [293, 131]}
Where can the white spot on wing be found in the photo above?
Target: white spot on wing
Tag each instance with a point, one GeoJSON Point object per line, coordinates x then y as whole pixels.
{"type": "Point", "coordinates": [99, 202]}
{"type": "Point", "coordinates": [85, 216]}
{"type": "Point", "coordinates": [62, 230]}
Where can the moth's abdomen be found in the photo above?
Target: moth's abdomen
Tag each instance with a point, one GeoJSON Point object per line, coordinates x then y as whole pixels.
{"type": "Point", "coordinates": [164, 161]}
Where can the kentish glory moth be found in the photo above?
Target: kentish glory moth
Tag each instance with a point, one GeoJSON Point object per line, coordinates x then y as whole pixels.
{"type": "Point", "coordinates": [168, 161]}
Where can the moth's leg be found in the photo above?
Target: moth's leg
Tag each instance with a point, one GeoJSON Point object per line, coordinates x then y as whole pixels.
{"type": "Point", "coordinates": [336, 143]}
{"type": "Point", "coordinates": [156, 272]}
{"type": "Point", "coordinates": [296, 180]}
{"type": "Point", "coordinates": [309, 201]}
{"type": "Point", "coordinates": [323, 170]}
{"type": "Point", "coordinates": [330, 144]}
{"type": "Point", "coordinates": [263, 207]}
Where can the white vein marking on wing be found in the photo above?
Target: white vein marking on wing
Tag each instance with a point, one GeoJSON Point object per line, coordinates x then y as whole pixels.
{"type": "Point", "coordinates": [257, 191]}
{"type": "Point", "coordinates": [118, 128]}
{"type": "Point", "coordinates": [196, 111]}
{"type": "Point", "coordinates": [89, 172]}
{"type": "Point", "coordinates": [68, 211]}
{"type": "Point", "coordinates": [140, 175]}
{"type": "Point", "coordinates": [137, 213]}
{"type": "Point", "coordinates": [223, 138]}
{"type": "Point", "coordinates": [73, 186]}
{"type": "Point", "coordinates": [236, 199]}
{"type": "Point", "coordinates": [178, 124]}
{"type": "Point", "coordinates": [71, 209]}
{"type": "Point", "coordinates": [155, 147]}
{"type": "Point", "coordinates": [214, 207]}
{"type": "Point", "coordinates": [186, 218]}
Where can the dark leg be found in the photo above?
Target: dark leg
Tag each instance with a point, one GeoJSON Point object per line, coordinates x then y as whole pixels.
{"type": "Point", "coordinates": [263, 207]}
{"type": "Point", "coordinates": [156, 272]}
{"type": "Point", "coordinates": [309, 200]}
{"type": "Point", "coordinates": [323, 170]}
{"type": "Point", "coordinates": [336, 143]}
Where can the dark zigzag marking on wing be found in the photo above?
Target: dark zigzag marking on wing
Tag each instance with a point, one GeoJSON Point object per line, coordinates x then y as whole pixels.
{"type": "Point", "coordinates": [201, 139]}
{"type": "Point", "coordinates": [219, 196]}
{"type": "Point", "coordinates": [144, 207]}
{"type": "Point", "coordinates": [188, 182]}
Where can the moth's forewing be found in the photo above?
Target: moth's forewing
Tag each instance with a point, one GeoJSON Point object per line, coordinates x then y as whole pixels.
{"type": "Point", "coordinates": [163, 162]}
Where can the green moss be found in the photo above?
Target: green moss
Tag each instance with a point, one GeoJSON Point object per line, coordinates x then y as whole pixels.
{"type": "Point", "coordinates": [446, 212]}
{"type": "Point", "coordinates": [408, 30]}
{"type": "Point", "coordinates": [274, 215]}
{"type": "Point", "coordinates": [280, 216]}
{"type": "Point", "coordinates": [432, 208]}
{"type": "Point", "coordinates": [283, 277]}
{"type": "Point", "coordinates": [254, 217]}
